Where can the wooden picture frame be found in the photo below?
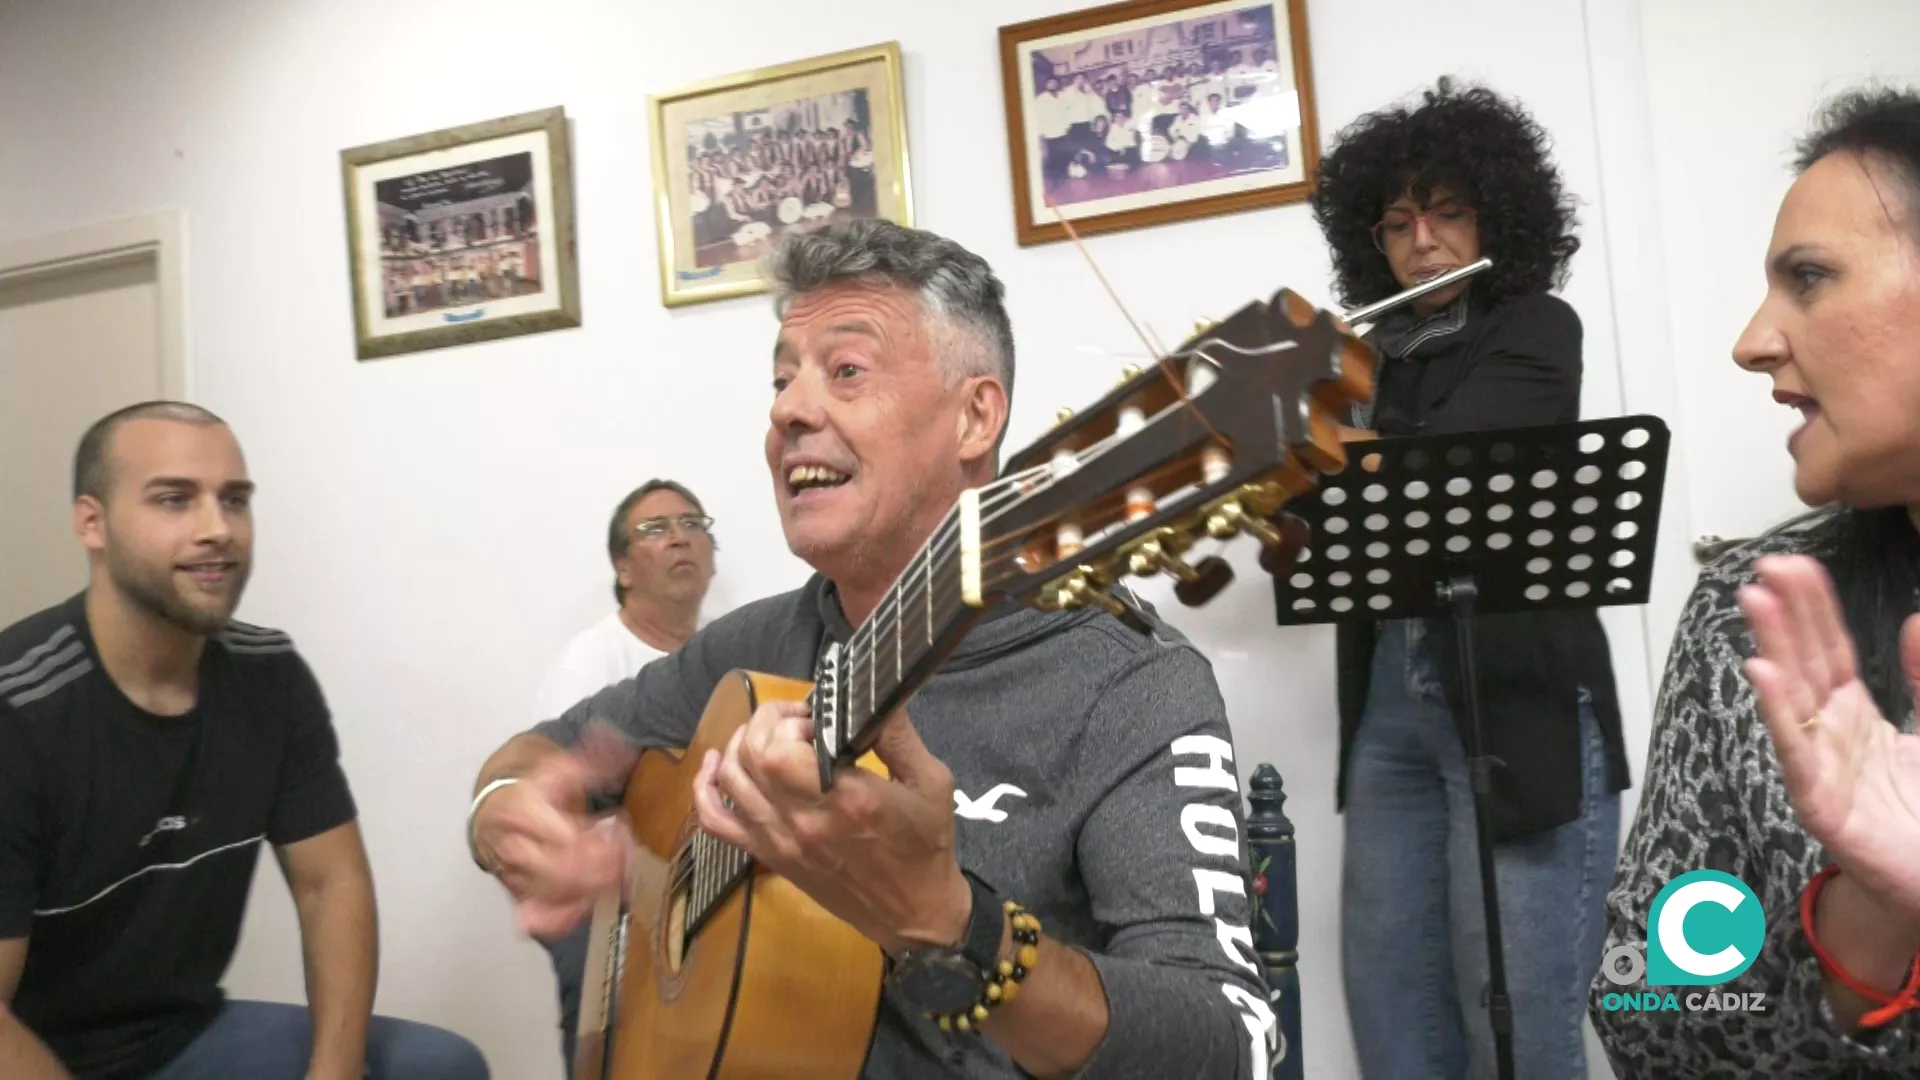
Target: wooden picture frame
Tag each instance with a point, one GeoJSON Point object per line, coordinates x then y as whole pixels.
{"type": "Point", "coordinates": [740, 160]}
{"type": "Point", "coordinates": [462, 235]}
{"type": "Point", "coordinates": [1218, 103]}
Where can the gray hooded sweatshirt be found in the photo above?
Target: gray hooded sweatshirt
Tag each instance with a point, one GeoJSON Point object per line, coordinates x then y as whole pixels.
{"type": "Point", "coordinates": [1094, 783]}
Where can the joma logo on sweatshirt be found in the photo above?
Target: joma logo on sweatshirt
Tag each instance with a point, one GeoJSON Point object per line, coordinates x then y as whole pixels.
{"type": "Point", "coordinates": [1211, 830]}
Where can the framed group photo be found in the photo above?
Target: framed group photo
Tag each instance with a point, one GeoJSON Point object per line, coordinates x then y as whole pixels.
{"type": "Point", "coordinates": [742, 160]}
{"type": "Point", "coordinates": [462, 235]}
{"type": "Point", "coordinates": [1154, 111]}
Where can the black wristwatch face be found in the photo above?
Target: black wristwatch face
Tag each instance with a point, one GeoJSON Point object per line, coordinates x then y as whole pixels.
{"type": "Point", "coordinates": [938, 980]}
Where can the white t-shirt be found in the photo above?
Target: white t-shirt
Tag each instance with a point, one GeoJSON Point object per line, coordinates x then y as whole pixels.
{"type": "Point", "coordinates": [1205, 87]}
{"type": "Point", "coordinates": [1146, 102]}
{"type": "Point", "coordinates": [1051, 115]}
{"type": "Point", "coordinates": [1083, 105]}
{"type": "Point", "coordinates": [599, 656]}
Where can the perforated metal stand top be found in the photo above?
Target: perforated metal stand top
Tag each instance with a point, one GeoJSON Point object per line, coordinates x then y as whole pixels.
{"type": "Point", "coordinates": [1562, 515]}
{"type": "Point", "coordinates": [1517, 519]}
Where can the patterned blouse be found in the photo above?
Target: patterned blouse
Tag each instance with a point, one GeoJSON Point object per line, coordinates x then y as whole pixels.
{"type": "Point", "coordinates": [1714, 798]}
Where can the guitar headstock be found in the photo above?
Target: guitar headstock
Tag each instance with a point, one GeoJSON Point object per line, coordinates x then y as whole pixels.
{"type": "Point", "coordinates": [1213, 441]}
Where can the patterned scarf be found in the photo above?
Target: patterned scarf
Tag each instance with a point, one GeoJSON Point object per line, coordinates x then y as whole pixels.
{"type": "Point", "coordinates": [1400, 333]}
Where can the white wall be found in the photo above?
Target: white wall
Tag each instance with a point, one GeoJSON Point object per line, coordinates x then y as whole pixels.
{"type": "Point", "coordinates": [1730, 86]}
{"type": "Point", "coordinates": [429, 525]}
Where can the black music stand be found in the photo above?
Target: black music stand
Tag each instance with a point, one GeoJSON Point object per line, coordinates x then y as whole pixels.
{"type": "Point", "coordinates": [1485, 522]}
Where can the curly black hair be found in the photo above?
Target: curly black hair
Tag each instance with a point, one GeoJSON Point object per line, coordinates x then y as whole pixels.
{"type": "Point", "coordinates": [1488, 150]}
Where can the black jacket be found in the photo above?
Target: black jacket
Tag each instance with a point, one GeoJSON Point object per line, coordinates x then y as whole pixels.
{"type": "Point", "coordinates": [1513, 365]}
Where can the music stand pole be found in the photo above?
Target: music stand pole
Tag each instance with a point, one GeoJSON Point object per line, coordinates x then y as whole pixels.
{"type": "Point", "coordinates": [1460, 593]}
{"type": "Point", "coordinates": [1477, 523]}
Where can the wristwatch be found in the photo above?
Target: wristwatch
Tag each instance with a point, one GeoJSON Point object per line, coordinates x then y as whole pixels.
{"type": "Point", "coordinates": [949, 979]}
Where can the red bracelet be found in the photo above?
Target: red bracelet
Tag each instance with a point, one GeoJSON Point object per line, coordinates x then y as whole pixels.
{"type": "Point", "coordinates": [1891, 1005]}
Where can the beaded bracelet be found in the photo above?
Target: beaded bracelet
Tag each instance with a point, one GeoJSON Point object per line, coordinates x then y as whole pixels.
{"type": "Point", "coordinates": [1005, 981]}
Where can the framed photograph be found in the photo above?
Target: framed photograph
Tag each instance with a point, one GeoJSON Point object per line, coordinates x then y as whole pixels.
{"type": "Point", "coordinates": [742, 160]}
{"type": "Point", "coordinates": [462, 235]}
{"type": "Point", "coordinates": [1154, 111]}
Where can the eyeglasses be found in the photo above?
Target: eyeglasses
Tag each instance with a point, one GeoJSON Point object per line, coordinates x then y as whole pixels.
{"type": "Point", "coordinates": [655, 528]}
{"type": "Point", "coordinates": [1396, 226]}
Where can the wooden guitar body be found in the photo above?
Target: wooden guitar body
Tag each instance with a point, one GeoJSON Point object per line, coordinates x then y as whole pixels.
{"type": "Point", "coordinates": [771, 985]}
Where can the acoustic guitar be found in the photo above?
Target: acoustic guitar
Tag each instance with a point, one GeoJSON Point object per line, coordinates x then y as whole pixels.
{"type": "Point", "coordinates": [710, 966]}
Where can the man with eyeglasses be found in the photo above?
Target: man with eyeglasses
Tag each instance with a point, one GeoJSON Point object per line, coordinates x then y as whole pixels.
{"type": "Point", "coordinates": [660, 542]}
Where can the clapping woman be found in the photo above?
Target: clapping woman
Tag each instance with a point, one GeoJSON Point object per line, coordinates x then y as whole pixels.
{"type": "Point", "coordinates": [1783, 747]}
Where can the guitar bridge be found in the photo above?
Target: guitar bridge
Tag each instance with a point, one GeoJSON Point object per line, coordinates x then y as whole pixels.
{"type": "Point", "coordinates": [616, 947]}
{"type": "Point", "coordinates": [619, 960]}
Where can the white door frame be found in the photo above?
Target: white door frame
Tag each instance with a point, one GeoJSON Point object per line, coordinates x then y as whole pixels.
{"type": "Point", "coordinates": [160, 237]}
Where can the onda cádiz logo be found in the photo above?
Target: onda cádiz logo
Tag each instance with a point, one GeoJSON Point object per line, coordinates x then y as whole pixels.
{"type": "Point", "coordinates": [1705, 928]}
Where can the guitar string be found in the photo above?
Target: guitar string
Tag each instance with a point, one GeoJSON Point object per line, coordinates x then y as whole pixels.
{"type": "Point", "coordinates": [930, 559]}
{"type": "Point", "coordinates": [716, 867]}
{"type": "Point", "coordinates": [1005, 501]}
{"type": "Point", "coordinates": [945, 535]}
{"type": "Point", "coordinates": [1166, 369]}
{"type": "Point", "coordinates": [931, 556]}
{"type": "Point", "coordinates": [719, 881]}
{"type": "Point", "coordinates": [1103, 446]}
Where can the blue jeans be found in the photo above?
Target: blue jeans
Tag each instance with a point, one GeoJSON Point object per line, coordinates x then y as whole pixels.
{"type": "Point", "coordinates": [268, 1041]}
{"type": "Point", "coordinates": [1414, 946]}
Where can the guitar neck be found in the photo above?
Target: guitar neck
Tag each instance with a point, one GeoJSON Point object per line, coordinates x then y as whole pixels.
{"type": "Point", "coordinates": [917, 623]}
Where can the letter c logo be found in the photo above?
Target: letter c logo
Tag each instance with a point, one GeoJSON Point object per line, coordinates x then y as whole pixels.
{"type": "Point", "coordinates": [1727, 926]}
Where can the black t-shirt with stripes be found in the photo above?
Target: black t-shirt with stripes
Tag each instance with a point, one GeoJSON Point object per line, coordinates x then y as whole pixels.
{"type": "Point", "coordinates": [128, 840]}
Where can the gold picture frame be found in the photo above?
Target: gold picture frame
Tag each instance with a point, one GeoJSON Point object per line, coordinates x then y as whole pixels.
{"type": "Point", "coordinates": [462, 235]}
{"type": "Point", "coordinates": [742, 159]}
{"type": "Point", "coordinates": [1160, 111]}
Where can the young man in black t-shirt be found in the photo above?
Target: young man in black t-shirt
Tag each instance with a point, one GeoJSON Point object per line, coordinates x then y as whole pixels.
{"type": "Point", "coordinates": [148, 744]}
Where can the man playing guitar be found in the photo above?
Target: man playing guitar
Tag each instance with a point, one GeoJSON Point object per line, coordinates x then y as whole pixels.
{"type": "Point", "coordinates": [1063, 801]}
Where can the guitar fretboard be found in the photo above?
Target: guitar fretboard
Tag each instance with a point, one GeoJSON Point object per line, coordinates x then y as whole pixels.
{"type": "Point", "coordinates": [888, 657]}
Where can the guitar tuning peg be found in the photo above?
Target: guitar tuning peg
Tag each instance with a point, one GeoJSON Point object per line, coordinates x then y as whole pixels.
{"type": "Point", "coordinates": [1280, 543]}
{"type": "Point", "coordinates": [1147, 559]}
{"type": "Point", "coordinates": [1195, 584]}
{"type": "Point", "coordinates": [1291, 535]}
{"type": "Point", "coordinates": [1224, 523]}
{"type": "Point", "coordinates": [1084, 593]}
{"type": "Point", "coordinates": [1201, 326]}
{"type": "Point", "coordinates": [1062, 415]}
{"type": "Point", "coordinates": [1077, 592]}
{"type": "Point", "coordinates": [1128, 374]}
{"type": "Point", "coordinates": [1231, 518]}
{"type": "Point", "coordinates": [1140, 566]}
{"type": "Point", "coordinates": [1202, 581]}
